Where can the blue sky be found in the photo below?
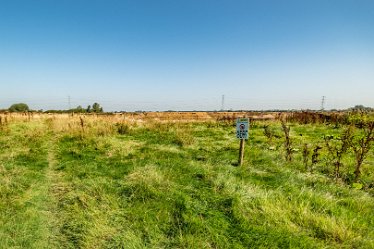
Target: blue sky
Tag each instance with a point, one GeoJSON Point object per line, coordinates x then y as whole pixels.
{"type": "Point", "coordinates": [184, 55]}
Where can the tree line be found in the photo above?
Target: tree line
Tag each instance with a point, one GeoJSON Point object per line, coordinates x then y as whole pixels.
{"type": "Point", "coordinates": [22, 107]}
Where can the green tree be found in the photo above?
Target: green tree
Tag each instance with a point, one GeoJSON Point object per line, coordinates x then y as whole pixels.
{"type": "Point", "coordinates": [19, 107]}
{"type": "Point", "coordinates": [79, 109]}
{"type": "Point", "coordinates": [97, 108]}
{"type": "Point", "coordinates": [361, 108]}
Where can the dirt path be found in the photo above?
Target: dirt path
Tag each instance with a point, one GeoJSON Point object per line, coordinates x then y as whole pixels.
{"type": "Point", "coordinates": [52, 183]}
{"type": "Point", "coordinates": [57, 188]}
{"type": "Point", "coordinates": [38, 206]}
{"type": "Point", "coordinates": [46, 195]}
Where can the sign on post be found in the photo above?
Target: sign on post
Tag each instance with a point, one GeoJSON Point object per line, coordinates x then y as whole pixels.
{"type": "Point", "coordinates": [242, 127]}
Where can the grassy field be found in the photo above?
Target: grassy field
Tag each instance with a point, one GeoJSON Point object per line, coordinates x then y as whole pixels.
{"type": "Point", "coordinates": [96, 182]}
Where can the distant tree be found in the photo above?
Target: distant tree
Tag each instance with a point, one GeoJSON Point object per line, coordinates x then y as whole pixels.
{"type": "Point", "coordinates": [361, 108]}
{"type": "Point", "coordinates": [88, 109]}
{"type": "Point", "coordinates": [97, 108]}
{"type": "Point", "coordinates": [19, 107]}
{"type": "Point", "coordinates": [79, 109]}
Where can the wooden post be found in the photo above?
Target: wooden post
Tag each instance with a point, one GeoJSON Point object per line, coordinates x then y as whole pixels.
{"type": "Point", "coordinates": [241, 151]}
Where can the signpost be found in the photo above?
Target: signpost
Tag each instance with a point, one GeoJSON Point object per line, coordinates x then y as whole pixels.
{"type": "Point", "coordinates": [242, 127]}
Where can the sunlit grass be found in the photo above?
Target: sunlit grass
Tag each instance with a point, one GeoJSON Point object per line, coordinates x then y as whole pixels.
{"type": "Point", "coordinates": [171, 185]}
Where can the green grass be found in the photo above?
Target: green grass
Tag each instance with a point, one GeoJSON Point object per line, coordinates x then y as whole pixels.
{"type": "Point", "coordinates": [173, 186]}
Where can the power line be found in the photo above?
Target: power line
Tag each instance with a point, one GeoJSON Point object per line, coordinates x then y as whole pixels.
{"type": "Point", "coordinates": [323, 103]}
{"type": "Point", "coordinates": [223, 103]}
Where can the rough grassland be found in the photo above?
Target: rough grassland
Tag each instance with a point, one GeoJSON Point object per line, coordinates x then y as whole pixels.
{"type": "Point", "coordinates": [95, 183]}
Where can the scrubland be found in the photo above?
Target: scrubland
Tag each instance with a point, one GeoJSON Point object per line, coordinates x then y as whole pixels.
{"type": "Point", "coordinates": [112, 182]}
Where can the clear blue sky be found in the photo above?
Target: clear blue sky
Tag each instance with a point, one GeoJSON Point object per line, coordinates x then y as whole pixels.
{"type": "Point", "coordinates": [185, 54]}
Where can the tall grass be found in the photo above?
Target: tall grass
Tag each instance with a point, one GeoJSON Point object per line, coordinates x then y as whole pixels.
{"type": "Point", "coordinates": [115, 183]}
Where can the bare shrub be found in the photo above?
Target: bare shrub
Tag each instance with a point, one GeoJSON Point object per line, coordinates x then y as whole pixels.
{"type": "Point", "coordinates": [82, 123]}
{"type": "Point", "coordinates": [122, 128]}
{"type": "Point", "coordinates": [287, 141]}
{"type": "Point", "coordinates": [361, 146]}
{"type": "Point", "coordinates": [306, 153]}
{"type": "Point", "coordinates": [269, 134]}
{"type": "Point", "coordinates": [315, 157]}
{"type": "Point", "coordinates": [337, 148]}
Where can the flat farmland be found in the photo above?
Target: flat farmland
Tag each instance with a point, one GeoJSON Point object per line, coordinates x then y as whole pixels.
{"type": "Point", "coordinates": [154, 180]}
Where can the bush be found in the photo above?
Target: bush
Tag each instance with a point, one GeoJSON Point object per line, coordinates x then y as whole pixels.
{"type": "Point", "coordinates": [123, 128]}
{"type": "Point", "coordinates": [19, 107]}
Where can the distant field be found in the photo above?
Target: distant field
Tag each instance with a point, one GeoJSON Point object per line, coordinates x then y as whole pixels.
{"type": "Point", "coordinates": [160, 116]}
{"type": "Point", "coordinates": [151, 181]}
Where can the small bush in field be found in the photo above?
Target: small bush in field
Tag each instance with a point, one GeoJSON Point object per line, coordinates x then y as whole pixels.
{"type": "Point", "coordinates": [82, 123]}
{"type": "Point", "coordinates": [123, 128]}
{"type": "Point", "coordinates": [269, 134]}
{"type": "Point", "coordinates": [306, 153]}
{"type": "Point", "coordinates": [287, 142]}
{"type": "Point", "coordinates": [361, 146]}
{"type": "Point", "coordinates": [337, 148]}
{"type": "Point", "coordinates": [315, 157]}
